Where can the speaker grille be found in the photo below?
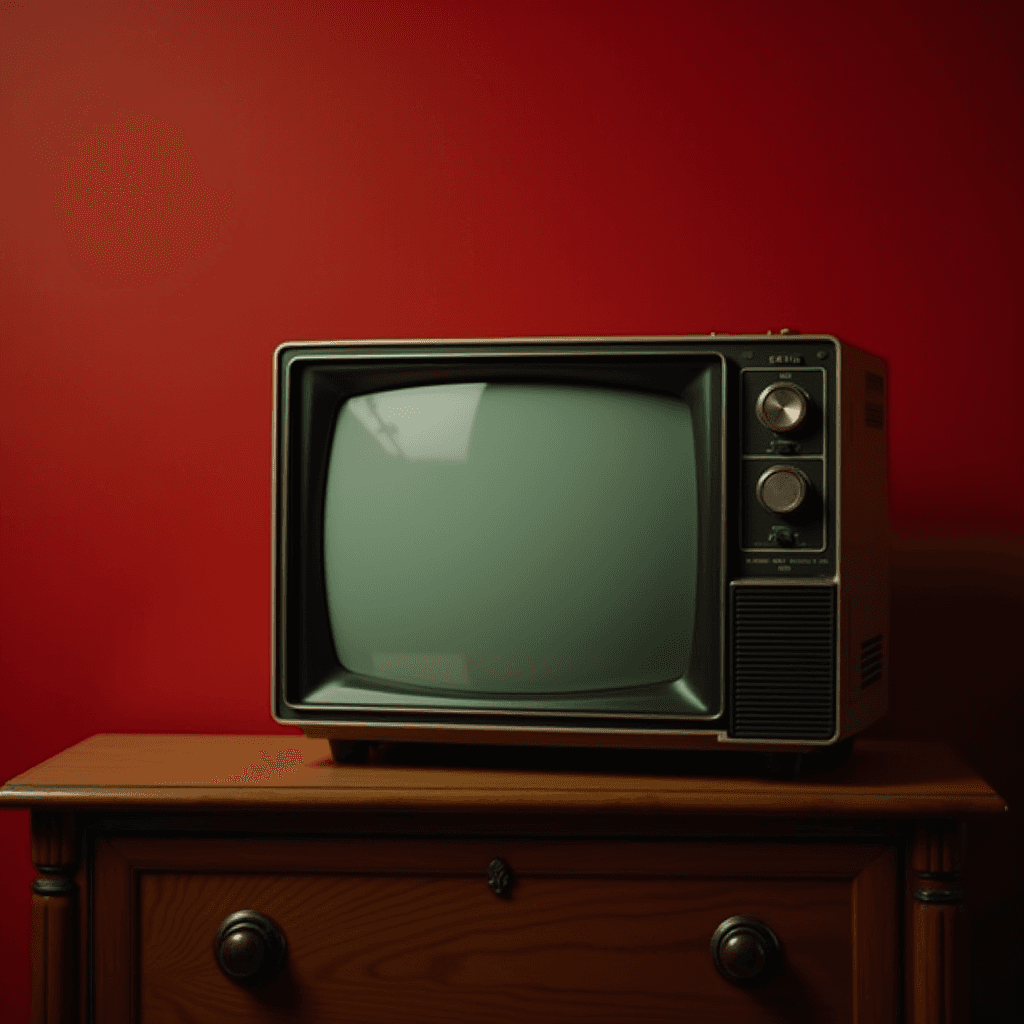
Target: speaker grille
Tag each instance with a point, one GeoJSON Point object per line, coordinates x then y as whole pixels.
{"type": "Point", "coordinates": [783, 662]}
{"type": "Point", "coordinates": [871, 654]}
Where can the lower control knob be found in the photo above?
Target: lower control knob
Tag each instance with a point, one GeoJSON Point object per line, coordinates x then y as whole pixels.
{"type": "Point", "coordinates": [782, 489]}
{"type": "Point", "coordinates": [745, 950]}
{"type": "Point", "coordinates": [249, 947]}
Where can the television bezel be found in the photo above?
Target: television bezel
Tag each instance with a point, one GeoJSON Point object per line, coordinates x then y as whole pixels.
{"type": "Point", "coordinates": [385, 365]}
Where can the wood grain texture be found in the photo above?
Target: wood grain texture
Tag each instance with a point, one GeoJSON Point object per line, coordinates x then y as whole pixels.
{"type": "Point", "coordinates": [387, 930]}
{"type": "Point", "coordinates": [937, 850]}
{"type": "Point", "coordinates": [54, 919]}
{"type": "Point", "coordinates": [54, 991]}
{"type": "Point", "coordinates": [114, 933]}
{"type": "Point", "coordinates": [937, 933]}
{"type": "Point", "coordinates": [875, 940]}
{"type": "Point", "coordinates": [54, 839]}
{"type": "Point", "coordinates": [443, 856]}
{"type": "Point", "coordinates": [220, 772]}
{"type": "Point", "coordinates": [377, 875]}
{"type": "Point", "coordinates": [937, 977]}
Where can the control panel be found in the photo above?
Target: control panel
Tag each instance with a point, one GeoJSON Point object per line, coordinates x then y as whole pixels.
{"type": "Point", "coordinates": [784, 477]}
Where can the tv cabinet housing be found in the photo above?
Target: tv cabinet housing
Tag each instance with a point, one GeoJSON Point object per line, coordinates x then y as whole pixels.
{"type": "Point", "coordinates": [428, 893]}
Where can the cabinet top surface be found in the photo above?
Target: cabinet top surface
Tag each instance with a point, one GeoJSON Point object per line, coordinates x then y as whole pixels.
{"type": "Point", "coordinates": [287, 772]}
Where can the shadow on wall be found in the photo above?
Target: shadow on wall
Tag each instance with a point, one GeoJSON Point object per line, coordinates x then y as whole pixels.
{"type": "Point", "coordinates": [956, 676]}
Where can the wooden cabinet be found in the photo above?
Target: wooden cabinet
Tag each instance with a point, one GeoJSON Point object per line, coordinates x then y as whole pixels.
{"type": "Point", "coordinates": [394, 929]}
{"type": "Point", "coordinates": [433, 894]}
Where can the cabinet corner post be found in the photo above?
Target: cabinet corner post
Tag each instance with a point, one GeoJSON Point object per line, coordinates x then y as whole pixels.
{"type": "Point", "coordinates": [54, 918]}
{"type": "Point", "coordinates": [936, 929]}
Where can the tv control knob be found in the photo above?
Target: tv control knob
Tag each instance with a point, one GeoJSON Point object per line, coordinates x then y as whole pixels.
{"type": "Point", "coordinates": [745, 950]}
{"type": "Point", "coordinates": [249, 947]}
{"type": "Point", "coordinates": [782, 489]}
{"type": "Point", "coordinates": [783, 536]}
{"type": "Point", "coordinates": [782, 407]}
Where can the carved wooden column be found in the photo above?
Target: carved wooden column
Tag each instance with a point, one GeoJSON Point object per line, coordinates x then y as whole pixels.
{"type": "Point", "coordinates": [54, 919]}
{"type": "Point", "coordinates": [937, 967]}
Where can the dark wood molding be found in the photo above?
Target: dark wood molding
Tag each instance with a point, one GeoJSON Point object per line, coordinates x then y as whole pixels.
{"type": "Point", "coordinates": [936, 929]}
{"type": "Point", "coordinates": [55, 914]}
{"type": "Point", "coordinates": [875, 939]}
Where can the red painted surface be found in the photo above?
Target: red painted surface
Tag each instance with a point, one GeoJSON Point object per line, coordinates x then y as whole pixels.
{"type": "Point", "coordinates": [185, 185]}
{"type": "Point", "coordinates": [133, 206]}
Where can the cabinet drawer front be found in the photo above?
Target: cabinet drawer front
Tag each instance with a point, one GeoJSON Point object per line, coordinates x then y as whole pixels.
{"type": "Point", "coordinates": [392, 930]}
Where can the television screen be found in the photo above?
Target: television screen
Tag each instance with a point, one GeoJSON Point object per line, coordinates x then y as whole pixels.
{"type": "Point", "coordinates": [506, 542]}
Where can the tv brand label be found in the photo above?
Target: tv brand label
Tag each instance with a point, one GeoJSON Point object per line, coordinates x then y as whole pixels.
{"type": "Point", "coordinates": [785, 360]}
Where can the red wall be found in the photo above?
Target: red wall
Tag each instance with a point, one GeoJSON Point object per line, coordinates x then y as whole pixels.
{"type": "Point", "coordinates": [186, 185]}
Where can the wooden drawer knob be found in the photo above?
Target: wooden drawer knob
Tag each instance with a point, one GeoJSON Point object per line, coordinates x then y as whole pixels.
{"type": "Point", "coordinates": [249, 947]}
{"type": "Point", "coordinates": [745, 950]}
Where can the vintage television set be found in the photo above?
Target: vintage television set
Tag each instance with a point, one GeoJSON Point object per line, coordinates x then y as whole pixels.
{"type": "Point", "coordinates": [617, 542]}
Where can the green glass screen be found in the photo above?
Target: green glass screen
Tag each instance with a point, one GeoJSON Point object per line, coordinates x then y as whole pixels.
{"type": "Point", "coordinates": [504, 540]}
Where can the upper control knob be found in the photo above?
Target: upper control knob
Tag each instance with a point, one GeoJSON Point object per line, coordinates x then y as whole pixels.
{"type": "Point", "coordinates": [782, 407]}
{"type": "Point", "coordinates": [782, 489]}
